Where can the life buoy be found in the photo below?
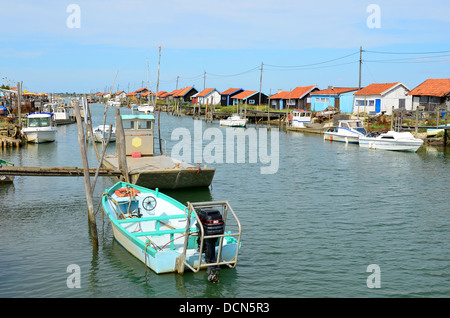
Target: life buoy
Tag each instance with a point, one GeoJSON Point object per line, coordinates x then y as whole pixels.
{"type": "Point", "coordinates": [126, 192]}
{"type": "Point", "coordinates": [289, 117]}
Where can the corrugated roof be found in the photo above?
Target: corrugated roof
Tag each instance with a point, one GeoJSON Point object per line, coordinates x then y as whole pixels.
{"type": "Point", "coordinates": [279, 95]}
{"type": "Point", "coordinates": [172, 93]}
{"type": "Point", "coordinates": [299, 92]}
{"type": "Point", "coordinates": [244, 94]}
{"type": "Point", "coordinates": [335, 91]}
{"type": "Point", "coordinates": [433, 87]}
{"type": "Point", "coordinates": [205, 92]}
{"type": "Point", "coordinates": [230, 91]}
{"type": "Point", "coordinates": [375, 88]}
{"type": "Point", "coordinates": [182, 92]}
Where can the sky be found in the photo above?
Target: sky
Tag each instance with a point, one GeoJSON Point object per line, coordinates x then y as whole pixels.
{"type": "Point", "coordinates": [87, 46]}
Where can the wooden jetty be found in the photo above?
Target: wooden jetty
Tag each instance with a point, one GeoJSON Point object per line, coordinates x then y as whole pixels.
{"type": "Point", "coordinates": [56, 171]}
{"type": "Point", "coordinates": [8, 142]}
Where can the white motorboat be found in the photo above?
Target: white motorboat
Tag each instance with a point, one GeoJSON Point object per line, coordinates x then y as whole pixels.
{"type": "Point", "coordinates": [299, 118]}
{"type": "Point", "coordinates": [347, 131]}
{"type": "Point", "coordinates": [64, 115]}
{"type": "Point", "coordinates": [41, 127]}
{"type": "Point", "coordinates": [101, 133]}
{"type": "Point", "coordinates": [234, 120]}
{"type": "Point", "coordinates": [114, 103]}
{"type": "Point", "coordinates": [146, 108]}
{"type": "Point", "coordinates": [391, 140]}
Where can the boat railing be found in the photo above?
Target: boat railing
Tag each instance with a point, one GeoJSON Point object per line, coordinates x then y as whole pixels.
{"type": "Point", "coordinates": [191, 211]}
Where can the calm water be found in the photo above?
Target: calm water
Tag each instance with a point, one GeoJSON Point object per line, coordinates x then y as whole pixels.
{"type": "Point", "coordinates": [309, 230]}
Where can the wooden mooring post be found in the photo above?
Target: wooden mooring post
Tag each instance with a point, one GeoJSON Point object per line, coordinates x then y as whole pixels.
{"type": "Point", "coordinates": [87, 181]}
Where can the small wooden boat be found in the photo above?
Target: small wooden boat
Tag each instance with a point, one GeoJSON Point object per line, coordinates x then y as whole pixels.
{"type": "Point", "coordinates": [101, 133]}
{"type": "Point", "coordinates": [4, 178]}
{"type": "Point", "coordinates": [41, 127]}
{"type": "Point", "coordinates": [347, 131]}
{"type": "Point", "coordinates": [166, 235]}
{"type": "Point", "coordinates": [234, 120]}
{"type": "Point", "coordinates": [391, 140]}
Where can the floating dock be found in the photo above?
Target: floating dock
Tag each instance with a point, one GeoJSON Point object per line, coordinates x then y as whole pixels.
{"type": "Point", "coordinates": [162, 172]}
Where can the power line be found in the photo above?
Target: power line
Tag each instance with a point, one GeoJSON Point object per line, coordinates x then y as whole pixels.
{"type": "Point", "coordinates": [318, 67]}
{"type": "Point", "coordinates": [380, 52]}
{"type": "Point", "coordinates": [237, 74]}
{"type": "Point", "coordinates": [312, 64]}
{"type": "Point", "coordinates": [416, 59]}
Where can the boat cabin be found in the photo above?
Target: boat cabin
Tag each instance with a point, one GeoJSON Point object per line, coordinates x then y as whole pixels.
{"type": "Point", "coordinates": [300, 116]}
{"type": "Point", "coordinates": [351, 124]}
{"type": "Point", "coordinates": [139, 132]}
{"type": "Point", "coordinates": [37, 120]}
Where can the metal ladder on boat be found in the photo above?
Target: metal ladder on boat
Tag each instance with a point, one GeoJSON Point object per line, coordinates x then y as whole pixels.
{"type": "Point", "coordinates": [191, 211]}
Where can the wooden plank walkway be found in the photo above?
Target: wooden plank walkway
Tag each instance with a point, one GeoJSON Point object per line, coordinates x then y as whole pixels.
{"type": "Point", "coordinates": [55, 171]}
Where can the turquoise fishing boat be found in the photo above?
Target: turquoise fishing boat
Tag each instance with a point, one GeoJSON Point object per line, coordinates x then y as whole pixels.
{"type": "Point", "coordinates": [167, 236]}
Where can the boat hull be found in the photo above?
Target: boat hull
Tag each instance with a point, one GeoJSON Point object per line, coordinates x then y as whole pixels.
{"type": "Point", "coordinates": [399, 145]}
{"type": "Point", "coordinates": [163, 172]}
{"type": "Point", "coordinates": [233, 123]}
{"type": "Point", "coordinates": [163, 262]}
{"type": "Point", "coordinates": [157, 237]}
{"type": "Point", "coordinates": [341, 138]}
{"type": "Point", "coordinates": [40, 135]}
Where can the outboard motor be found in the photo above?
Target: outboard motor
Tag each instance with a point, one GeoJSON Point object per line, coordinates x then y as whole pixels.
{"type": "Point", "coordinates": [212, 223]}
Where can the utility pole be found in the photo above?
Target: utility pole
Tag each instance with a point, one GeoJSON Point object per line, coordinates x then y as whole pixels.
{"type": "Point", "coordinates": [260, 84]}
{"type": "Point", "coordinates": [204, 80]}
{"type": "Point", "coordinates": [178, 76]}
{"type": "Point", "coordinates": [360, 64]}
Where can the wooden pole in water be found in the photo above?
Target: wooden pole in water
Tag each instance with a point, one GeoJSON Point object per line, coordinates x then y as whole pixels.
{"type": "Point", "coordinates": [120, 146]}
{"type": "Point", "coordinates": [159, 109]}
{"type": "Point", "coordinates": [417, 122]}
{"type": "Point", "coordinates": [87, 182]}
{"type": "Point", "coordinates": [19, 103]}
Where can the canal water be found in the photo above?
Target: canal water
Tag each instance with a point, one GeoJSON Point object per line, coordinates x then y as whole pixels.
{"type": "Point", "coordinates": [332, 220]}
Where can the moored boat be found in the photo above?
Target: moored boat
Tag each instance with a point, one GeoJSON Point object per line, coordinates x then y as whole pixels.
{"type": "Point", "coordinates": [41, 127]}
{"type": "Point", "coordinates": [235, 120]}
{"type": "Point", "coordinates": [347, 131]}
{"type": "Point", "coordinates": [166, 235]}
{"type": "Point", "coordinates": [64, 115]}
{"type": "Point", "coordinates": [101, 133]}
{"type": "Point", "coordinates": [299, 117]}
{"type": "Point", "coordinates": [114, 103]}
{"type": "Point", "coordinates": [145, 108]}
{"type": "Point", "coordinates": [391, 140]}
{"type": "Point", "coordinates": [431, 132]}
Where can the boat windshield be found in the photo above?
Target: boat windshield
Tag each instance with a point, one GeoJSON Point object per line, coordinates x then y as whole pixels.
{"type": "Point", "coordinates": [39, 122]}
{"type": "Point", "coordinates": [358, 126]}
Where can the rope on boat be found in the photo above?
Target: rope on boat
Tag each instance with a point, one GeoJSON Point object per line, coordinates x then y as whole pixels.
{"type": "Point", "coordinates": [147, 244]}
